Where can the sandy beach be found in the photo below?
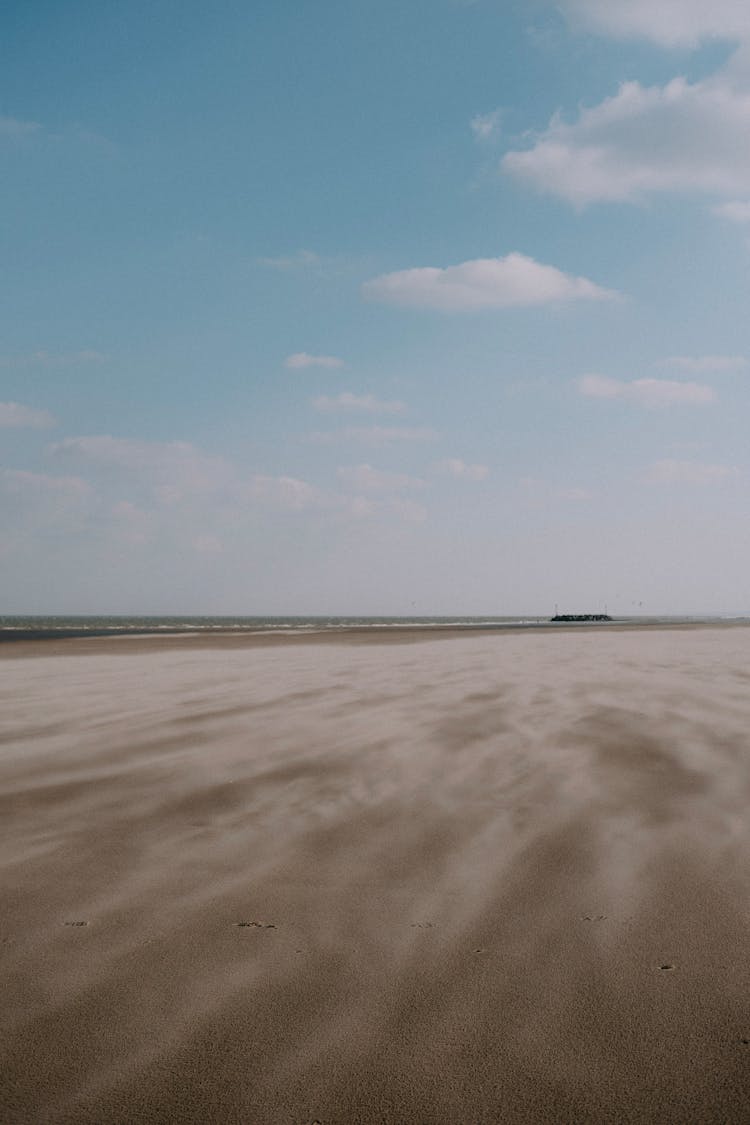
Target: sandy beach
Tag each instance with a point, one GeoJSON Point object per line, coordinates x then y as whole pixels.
{"type": "Point", "coordinates": [466, 878]}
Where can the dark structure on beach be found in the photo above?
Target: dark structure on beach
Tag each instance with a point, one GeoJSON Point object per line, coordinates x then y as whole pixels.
{"type": "Point", "coordinates": [581, 617]}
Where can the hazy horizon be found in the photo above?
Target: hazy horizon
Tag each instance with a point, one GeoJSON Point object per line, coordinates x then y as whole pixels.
{"type": "Point", "coordinates": [456, 617]}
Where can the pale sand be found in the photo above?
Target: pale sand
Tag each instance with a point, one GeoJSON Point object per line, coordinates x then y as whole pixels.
{"type": "Point", "coordinates": [462, 865]}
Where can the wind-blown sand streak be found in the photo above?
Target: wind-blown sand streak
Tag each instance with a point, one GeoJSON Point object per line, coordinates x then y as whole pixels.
{"type": "Point", "coordinates": [487, 879]}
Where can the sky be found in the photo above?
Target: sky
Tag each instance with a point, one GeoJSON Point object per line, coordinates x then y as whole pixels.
{"type": "Point", "coordinates": [375, 307]}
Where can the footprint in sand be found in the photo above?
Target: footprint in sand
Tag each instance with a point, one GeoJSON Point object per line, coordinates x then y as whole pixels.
{"type": "Point", "coordinates": [255, 925]}
{"type": "Point", "coordinates": [667, 967]}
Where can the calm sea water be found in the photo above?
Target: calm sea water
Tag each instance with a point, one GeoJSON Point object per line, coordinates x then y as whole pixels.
{"type": "Point", "coordinates": [39, 627]}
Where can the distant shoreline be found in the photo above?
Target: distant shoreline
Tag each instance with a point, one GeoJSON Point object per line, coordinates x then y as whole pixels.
{"type": "Point", "coordinates": [17, 641]}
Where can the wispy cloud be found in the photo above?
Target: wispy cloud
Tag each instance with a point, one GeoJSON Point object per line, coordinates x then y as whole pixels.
{"type": "Point", "coordinates": [14, 415]}
{"type": "Point", "coordinates": [486, 126]}
{"type": "Point", "coordinates": [44, 358]}
{"type": "Point", "coordinates": [364, 478]}
{"type": "Point", "coordinates": [484, 283]}
{"type": "Point", "coordinates": [14, 127]}
{"type": "Point", "coordinates": [177, 481]}
{"type": "Point", "coordinates": [681, 137]}
{"type": "Point", "coordinates": [370, 507]}
{"type": "Point", "coordinates": [362, 404]}
{"type": "Point", "coordinates": [301, 360]}
{"type": "Point", "coordinates": [375, 435]}
{"type": "Point", "coordinates": [34, 503]}
{"type": "Point", "coordinates": [176, 464]}
{"type": "Point", "coordinates": [736, 210]}
{"type": "Point", "coordinates": [302, 259]}
{"type": "Point", "coordinates": [20, 481]}
{"type": "Point", "coordinates": [284, 493]}
{"type": "Point", "coordinates": [706, 364]}
{"type": "Point", "coordinates": [455, 467]}
{"type": "Point", "coordinates": [646, 392]}
{"type": "Point", "coordinates": [688, 472]}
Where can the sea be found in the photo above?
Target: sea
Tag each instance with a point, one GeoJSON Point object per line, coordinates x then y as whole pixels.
{"type": "Point", "coordinates": [38, 627]}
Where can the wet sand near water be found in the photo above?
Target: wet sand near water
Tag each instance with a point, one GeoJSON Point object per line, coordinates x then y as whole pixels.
{"type": "Point", "coordinates": [480, 878]}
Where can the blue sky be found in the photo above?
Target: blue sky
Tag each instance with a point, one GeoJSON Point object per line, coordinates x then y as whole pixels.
{"type": "Point", "coordinates": [428, 306]}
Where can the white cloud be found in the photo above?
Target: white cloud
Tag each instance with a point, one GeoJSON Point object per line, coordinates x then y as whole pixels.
{"type": "Point", "coordinates": [670, 23]}
{"type": "Point", "coordinates": [364, 478]}
{"type": "Point", "coordinates": [300, 360]}
{"type": "Point", "coordinates": [485, 126]}
{"type": "Point", "coordinates": [14, 415]}
{"type": "Point", "coordinates": [646, 392]}
{"type": "Point", "coordinates": [688, 472]}
{"type": "Point", "coordinates": [455, 467]}
{"type": "Point", "coordinates": [366, 404]}
{"type": "Point", "coordinates": [303, 259]}
{"type": "Point", "coordinates": [681, 137]}
{"type": "Point", "coordinates": [705, 364]}
{"type": "Point", "coordinates": [485, 283]}
{"type": "Point", "coordinates": [375, 435]}
{"type": "Point", "coordinates": [736, 210]}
